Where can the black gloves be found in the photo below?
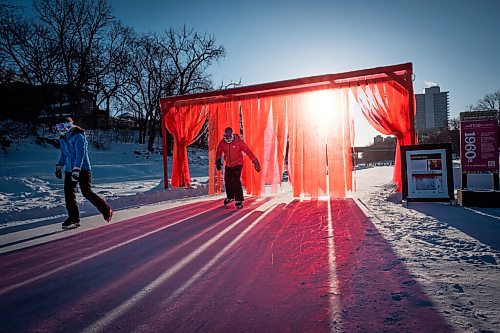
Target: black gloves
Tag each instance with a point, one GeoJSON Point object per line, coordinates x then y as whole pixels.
{"type": "Point", "coordinates": [58, 171]}
{"type": "Point", "coordinates": [256, 165]}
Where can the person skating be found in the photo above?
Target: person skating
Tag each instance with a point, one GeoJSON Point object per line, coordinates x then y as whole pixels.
{"type": "Point", "coordinates": [74, 159]}
{"type": "Point", "coordinates": [233, 147]}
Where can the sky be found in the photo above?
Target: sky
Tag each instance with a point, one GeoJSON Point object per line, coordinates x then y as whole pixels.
{"type": "Point", "coordinates": [452, 43]}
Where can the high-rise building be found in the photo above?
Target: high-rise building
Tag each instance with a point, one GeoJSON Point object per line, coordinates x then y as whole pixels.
{"type": "Point", "coordinates": [432, 109]}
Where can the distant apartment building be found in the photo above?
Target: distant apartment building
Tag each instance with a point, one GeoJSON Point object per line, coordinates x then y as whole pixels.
{"type": "Point", "coordinates": [432, 109]}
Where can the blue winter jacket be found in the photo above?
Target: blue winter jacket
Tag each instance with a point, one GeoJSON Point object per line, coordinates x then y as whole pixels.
{"type": "Point", "coordinates": [74, 150]}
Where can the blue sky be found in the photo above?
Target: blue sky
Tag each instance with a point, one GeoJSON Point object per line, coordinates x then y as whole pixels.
{"type": "Point", "coordinates": [454, 43]}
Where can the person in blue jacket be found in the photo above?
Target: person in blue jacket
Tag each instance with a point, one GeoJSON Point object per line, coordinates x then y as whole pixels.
{"type": "Point", "coordinates": [74, 159]}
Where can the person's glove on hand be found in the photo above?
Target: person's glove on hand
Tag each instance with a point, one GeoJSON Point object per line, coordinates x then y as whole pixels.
{"type": "Point", "coordinates": [218, 164]}
{"type": "Point", "coordinates": [75, 175]}
{"type": "Point", "coordinates": [58, 172]}
{"type": "Point", "coordinates": [256, 165]}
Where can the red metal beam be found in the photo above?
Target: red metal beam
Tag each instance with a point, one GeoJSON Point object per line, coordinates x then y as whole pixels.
{"type": "Point", "coordinates": [278, 87]}
{"type": "Point", "coordinates": [409, 87]}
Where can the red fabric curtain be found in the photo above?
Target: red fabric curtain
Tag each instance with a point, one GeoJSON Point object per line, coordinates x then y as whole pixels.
{"type": "Point", "coordinates": [339, 146]}
{"type": "Point", "coordinates": [315, 118]}
{"type": "Point", "coordinates": [267, 141]}
{"type": "Point", "coordinates": [280, 137]}
{"type": "Point", "coordinates": [348, 138]}
{"type": "Point", "coordinates": [255, 118]}
{"type": "Point", "coordinates": [319, 144]}
{"type": "Point", "coordinates": [295, 167]}
{"type": "Point", "coordinates": [214, 184]}
{"type": "Point", "coordinates": [184, 123]}
{"type": "Point", "coordinates": [221, 115]}
{"type": "Point", "coordinates": [386, 107]}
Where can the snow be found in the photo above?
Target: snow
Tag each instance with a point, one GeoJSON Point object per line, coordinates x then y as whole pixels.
{"type": "Point", "coordinates": [453, 252]}
{"type": "Point", "coordinates": [124, 174]}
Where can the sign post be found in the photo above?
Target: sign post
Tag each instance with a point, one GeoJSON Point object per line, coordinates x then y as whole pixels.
{"type": "Point", "coordinates": [479, 144]}
{"type": "Point", "coordinates": [479, 153]}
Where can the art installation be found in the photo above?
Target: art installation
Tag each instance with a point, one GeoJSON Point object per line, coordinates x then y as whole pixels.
{"type": "Point", "coordinates": [301, 125]}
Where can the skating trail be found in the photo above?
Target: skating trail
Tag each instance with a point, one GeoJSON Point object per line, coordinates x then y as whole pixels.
{"type": "Point", "coordinates": [274, 266]}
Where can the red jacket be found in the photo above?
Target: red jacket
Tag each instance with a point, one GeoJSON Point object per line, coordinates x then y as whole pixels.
{"type": "Point", "coordinates": [233, 152]}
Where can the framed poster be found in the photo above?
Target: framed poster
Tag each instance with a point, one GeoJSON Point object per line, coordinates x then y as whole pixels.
{"type": "Point", "coordinates": [427, 172]}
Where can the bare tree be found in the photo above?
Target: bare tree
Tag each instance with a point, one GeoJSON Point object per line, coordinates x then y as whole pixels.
{"type": "Point", "coordinates": [70, 43]}
{"type": "Point", "coordinates": [78, 45]}
{"type": "Point", "coordinates": [29, 56]}
{"type": "Point", "coordinates": [489, 102]}
{"type": "Point", "coordinates": [175, 63]}
{"type": "Point", "coordinates": [7, 73]}
{"type": "Point", "coordinates": [111, 67]}
{"type": "Point", "coordinates": [470, 107]}
{"type": "Point", "coordinates": [77, 27]}
{"type": "Point", "coordinates": [191, 54]}
{"type": "Point", "coordinates": [147, 73]}
{"type": "Point", "coordinates": [454, 124]}
{"type": "Point", "coordinates": [28, 48]}
{"type": "Point", "coordinates": [450, 134]}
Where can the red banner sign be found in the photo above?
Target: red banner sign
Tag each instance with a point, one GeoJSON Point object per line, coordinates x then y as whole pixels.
{"type": "Point", "coordinates": [479, 145]}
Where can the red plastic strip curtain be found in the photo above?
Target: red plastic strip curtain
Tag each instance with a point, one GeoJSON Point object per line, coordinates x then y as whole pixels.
{"type": "Point", "coordinates": [214, 184]}
{"type": "Point", "coordinates": [269, 157]}
{"type": "Point", "coordinates": [339, 145]}
{"type": "Point", "coordinates": [316, 125]}
{"type": "Point", "coordinates": [222, 115]}
{"type": "Point", "coordinates": [348, 133]}
{"type": "Point", "coordinates": [230, 117]}
{"type": "Point", "coordinates": [319, 144]}
{"type": "Point", "coordinates": [273, 142]}
{"type": "Point", "coordinates": [386, 107]}
{"type": "Point", "coordinates": [184, 123]}
{"type": "Point", "coordinates": [301, 134]}
{"type": "Point", "coordinates": [280, 130]}
{"type": "Point", "coordinates": [296, 151]}
{"type": "Point", "coordinates": [255, 118]}
{"type": "Point", "coordinates": [316, 121]}
{"type": "Point", "coordinates": [249, 115]}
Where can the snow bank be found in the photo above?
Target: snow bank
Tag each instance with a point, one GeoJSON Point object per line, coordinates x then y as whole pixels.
{"type": "Point", "coordinates": [126, 175]}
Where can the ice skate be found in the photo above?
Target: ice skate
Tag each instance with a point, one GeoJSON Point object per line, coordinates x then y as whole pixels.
{"type": "Point", "coordinates": [227, 202]}
{"type": "Point", "coordinates": [68, 224]}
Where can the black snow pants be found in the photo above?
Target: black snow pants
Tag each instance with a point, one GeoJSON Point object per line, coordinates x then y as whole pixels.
{"type": "Point", "coordinates": [232, 180]}
{"type": "Point", "coordinates": [85, 183]}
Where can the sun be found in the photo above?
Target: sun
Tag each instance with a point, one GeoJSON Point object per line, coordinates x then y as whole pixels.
{"type": "Point", "coordinates": [321, 106]}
